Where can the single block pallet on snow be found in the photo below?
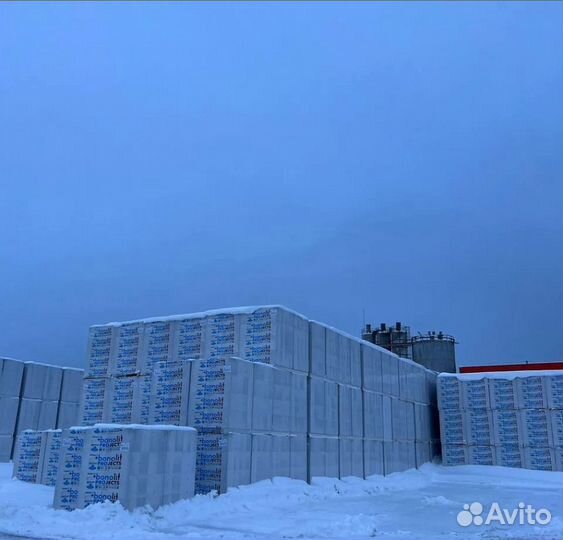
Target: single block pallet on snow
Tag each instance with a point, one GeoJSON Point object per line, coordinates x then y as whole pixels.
{"type": "Point", "coordinates": [270, 392]}
{"type": "Point", "coordinates": [513, 419]}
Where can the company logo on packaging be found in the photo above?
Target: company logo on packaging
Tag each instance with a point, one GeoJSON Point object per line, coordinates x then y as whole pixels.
{"type": "Point", "coordinates": [474, 514]}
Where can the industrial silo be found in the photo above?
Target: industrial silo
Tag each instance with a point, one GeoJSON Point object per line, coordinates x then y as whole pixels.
{"type": "Point", "coordinates": [435, 351]}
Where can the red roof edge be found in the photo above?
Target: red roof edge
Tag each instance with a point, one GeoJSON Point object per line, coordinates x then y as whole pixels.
{"type": "Point", "coordinates": [512, 367]}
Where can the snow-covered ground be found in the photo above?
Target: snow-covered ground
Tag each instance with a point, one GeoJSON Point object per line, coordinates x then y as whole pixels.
{"type": "Point", "coordinates": [418, 504]}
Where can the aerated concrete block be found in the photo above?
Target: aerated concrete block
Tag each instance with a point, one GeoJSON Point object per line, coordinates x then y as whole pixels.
{"type": "Point", "coordinates": [189, 339]}
{"type": "Point", "coordinates": [344, 411]}
{"type": "Point", "coordinates": [507, 428]}
{"type": "Point", "coordinates": [317, 406]}
{"type": "Point", "coordinates": [169, 395]}
{"type": "Point", "coordinates": [299, 403]}
{"type": "Point", "coordinates": [28, 415]}
{"type": "Point", "coordinates": [128, 400]}
{"type": "Point", "coordinates": [125, 463]}
{"type": "Point", "coordinates": [11, 377]}
{"type": "Point", "coordinates": [68, 415]}
{"type": "Point", "coordinates": [423, 452]}
{"type": "Point", "coordinates": [332, 355]}
{"type": "Point", "coordinates": [223, 461]}
{"type": "Point", "coordinates": [298, 457]}
{"type": "Point", "coordinates": [48, 415]}
{"type": "Point", "coordinates": [373, 415]}
{"type": "Point", "coordinates": [8, 415]}
{"type": "Point", "coordinates": [478, 425]}
{"type": "Point", "coordinates": [540, 458]}
{"type": "Point", "coordinates": [262, 465]}
{"type": "Point", "coordinates": [475, 394]}
{"type": "Point", "coordinates": [156, 345]}
{"type": "Point", "coordinates": [331, 400]}
{"type": "Point", "coordinates": [262, 398]}
{"type": "Point", "coordinates": [101, 341]}
{"type": "Point", "coordinates": [503, 393]}
{"type": "Point", "coordinates": [317, 347]}
{"type": "Point", "coordinates": [454, 454]}
{"type": "Point", "coordinates": [221, 394]}
{"type": "Point", "coordinates": [509, 455]}
{"type": "Point", "coordinates": [554, 388]}
{"type": "Point", "coordinates": [373, 457]}
{"type": "Point", "coordinates": [532, 392]}
{"type": "Point", "coordinates": [351, 457]}
{"type": "Point", "coordinates": [126, 359]}
{"type": "Point", "coordinates": [536, 427]}
{"type": "Point", "coordinates": [387, 418]}
{"type": "Point", "coordinates": [371, 368]}
{"type": "Point", "coordinates": [449, 392]}
{"type": "Point", "coordinates": [481, 455]}
{"type": "Point", "coordinates": [452, 428]}
{"type": "Point", "coordinates": [49, 456]}
{"type": "Point", "coordinates": [357, 413]}
{"type": "Point", "coordinates": [27, 457]}
{"type": "Point", "coordinates": [281, 455]}
{"type": "Point", "coordinates": [41, 381]}
{"type": "Point", "coordinates": [71, 385]}
{"type": "Point", "coordinates": [557, 427]}
{"type": "Point", "coordinates": [282, 402]}
{"type": "Point", "coordinates": [6, 445]}
{"type": "Point", "coordinates": [94, 400]}
{"type": "Point", "coordinates": [390, 374]}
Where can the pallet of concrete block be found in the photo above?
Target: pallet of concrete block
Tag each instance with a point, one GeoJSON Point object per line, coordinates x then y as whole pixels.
{"type": "Point", "coordinates": [36, 458]}
{"type": "Point", "coordinates": [11, 376]}
{"type": "Point", "coordinates": [268, 334]}
{"type": "Point", "coordinates": [135, 465]}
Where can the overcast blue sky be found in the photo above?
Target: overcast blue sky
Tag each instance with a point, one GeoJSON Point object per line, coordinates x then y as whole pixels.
{"type": "Point", "coordinates": [402, 159]}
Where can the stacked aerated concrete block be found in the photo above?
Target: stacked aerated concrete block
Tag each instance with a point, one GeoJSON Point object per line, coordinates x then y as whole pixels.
{"type": "Point", "coordinates": [133, 464]}
{"type": "Point", "coordinates": [36, 458]}
{"type": "Point", "coordinates": [301, 391]}
{"type": "Point", "coordinates": [37, 397]}
{"type": "Point", "coordinates": [512, 419]}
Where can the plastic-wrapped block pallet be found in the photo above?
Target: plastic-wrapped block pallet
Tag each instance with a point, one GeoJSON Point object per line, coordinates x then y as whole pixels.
{"type": "Point", "coordinates": [452, 427]}
{"type": "Point", "coordinates": [398, 456]}
{"type": "Point", "coordinates": [276, 336]}
{"type": "Point", "coordinates": [8, 415]}
{"type": "Point", "coordinates": [355, 363]}
{"type": "Point", "coordinates": [170, 390]}
{"type": "Point", "coordinates": [299, 403]}
{"type": "Point", "coordinates": [101, 340]}
{"type": "Point", "coordinates": [479, 426]}
{"type": "Point", "coordinates": [540, 458]}
{"type": "Point", "coordinates": [157, 344]}
{"type": "Point", "coordinates": [127, 351]}
{"type": "Point", "coordinates": [387, 418]}
{"type": "Point", "coordinates": [475, 393]}
{"type": "Point", "coordinates": [509, 455]}
{"type": "Point", "coordinates": [317, 349]}
{"type": "Point", "coordinates": [298, 457]}
{"type": "Point", "coordinates": [332, 354]}
{"type": "Point", "coordinates": [282, 402]}
{"type": "Point", "coordinates": [373, 457]}
{"type": "Point", "coordinates": [503, 393]}
{"type": "Point", "coordinates": [37, 414]}
{"type": "Point", "coordinates": [189, 338]}
{"type": "Point", "coordinates": [373, 415]}
{"type": "Point", "coordinates": [454, 454]}
{"type": "Point", "coordinates": [351, 457]}
{"type": "Point", "coordinates": [135, 465]}
{"type": "Point", "coordinates": [371, 368]}
{"type": "Point", "coordinates": [41, 381]}
{"type": "Point", "coordinates": [68, 415]}
{"type": "Point", "coordinates": [262, 463]}
{"type": "Point", "coordinates": [536, 427]}
{"type": "Point", "coordinates": [481, 455]}
{"type": "Point", "coordinates": [532, 392]}
{"type": "Point", "coordinates": [390, 374]}
{"type": "Point", "coordinates": [49, 456]}
{"type": "Point", "coordinates": [128, 400]}
{"type": "Point", "coordinates": [449, 392]}
{"type": "Point", "coordinates": [94, 400]}
{"type": "Point", "coordinates": [27, 457]}
{"type": "Point", "coordinates": [262, 397]}
{"type": "Point", "coordinates": [71, 385]}
{"type": "Point", "coordinates": [423, 451]}
{"type": "Point", "coordinates": [323, 457]}
{"type": "Point", "coordinates": [557, 427]}
{"type": "Point", "coordinates": [223, 461]}
{"type": "Point", "coordinates": [350, 416]}
{"type": "Point", "coordinates": [554, 387]}
{"type": "Point", "coordinates": [281, 455]}
{"type": "Point", "coordinates": [422, 422]}
{"type": "Point", "coordinates": [220, 394]}
{"type": "Point", "coordinates": [507, 429]}
{"type": "Point", "coordinates": [11, 377]}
